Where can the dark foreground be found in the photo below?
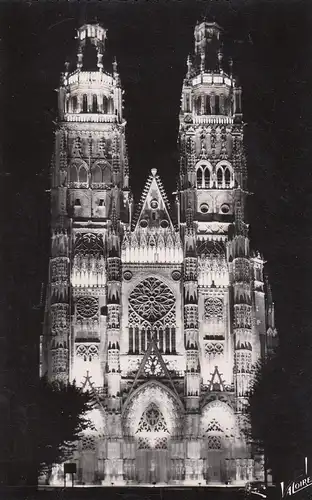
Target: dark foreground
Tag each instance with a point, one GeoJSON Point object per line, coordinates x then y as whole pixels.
{"type": "Point", "coordinates": [129, 493]}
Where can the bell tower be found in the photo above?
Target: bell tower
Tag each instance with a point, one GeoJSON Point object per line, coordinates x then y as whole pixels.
{"type": "Point", "coordinates": [89, 202]}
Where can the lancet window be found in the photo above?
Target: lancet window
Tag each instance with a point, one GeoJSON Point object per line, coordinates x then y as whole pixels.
{"type": "Point", "coordinates": [94, 104]}
{"type": "Point", "coordinates": [224, 176]}
{"type": "Point", "coordinates": [85, 103]}
{"type": "Point", "coordinates": [101, 175]}
{"type": "Point", "coordinates": [203, 176]}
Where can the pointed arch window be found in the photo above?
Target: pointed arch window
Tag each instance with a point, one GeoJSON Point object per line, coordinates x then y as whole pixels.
{"type": "Point", "coordinates": [130, 340]}
{"type": "Point", "coordinates": [207, 105]}
{"type": "Point", "coordinates": [107, 175]}
{"type": "Point", "coordinates": [173, 341]}
{"type": "Point", "coordinates": [227, 177]}
{"type": "Point", "coordinates": [73, 174]}
{"type": "Point", "coordinates": [217, 105]}
{"type": "Point", "coordinates": [207, 177]}
{"type": "Point", "coordinates": [161, 340]}
{"type": "Point", "coordinates": [105, 104]}
{"type": "Point", "coordinates": [222, 105]}
{"type": "Point", "coordinates": [97, 174]}
{"type": "Point", "coordinates": [136, 341]}
{"type": "Point", "coordinates": [110, 106]}
{"type": "Point", "coordinates": [167, 332]}
{"type": "Point", "coordinates": [74, 104]}
{"type": "Point", "coordinates": [198, 105]}
{"type": "Point", "coordinates": [199, 176]}
{"type": "Point", "coordinates": [143, 347]}
{"type": "Point", "coordinates": [187, 103]}
{"type": "Point", "coordinates": [85, 103]}
{"type": "Point", "coordinates": [94, 104]}
{"type": "Point", "coordinates": [219, 177]}
{"type": "Point", "coordinates": [83, 175]}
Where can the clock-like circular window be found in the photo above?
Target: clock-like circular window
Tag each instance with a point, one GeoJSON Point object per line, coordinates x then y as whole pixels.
{"type": "Point", "coordinates": [87, 307]}
{"type": "Point", "coordinates": [225, 209]}
{"type": "Point", "coordinates": [127, 275]}
{"type": "Point", "coordinates": [154, 204]}
{"type": "Point", "coordinates": [143, 223]}
{"type": "Point", "coordinates": [204, 208]}
{"type": "Point", "coordinates": [164, 224]}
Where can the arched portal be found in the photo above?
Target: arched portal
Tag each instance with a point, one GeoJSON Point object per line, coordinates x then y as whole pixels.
{"type": "Point", "coordinates": [219, 443]}
{"type": "Point", "coordinates": [151, 420]}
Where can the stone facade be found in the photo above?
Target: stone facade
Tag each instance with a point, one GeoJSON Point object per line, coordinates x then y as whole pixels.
{"type": "Point", "coordinates": [160, 311]}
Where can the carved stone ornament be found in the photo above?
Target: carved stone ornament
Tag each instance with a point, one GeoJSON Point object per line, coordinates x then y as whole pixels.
{"type": "Point", "coordinates": [127, 275]}
{"type": "Point", "coordinates": [213, 308]}
{"type": "Point", "coordinates": [151, 299]}
{"type": "Point", "coordinates": [87, 307]}
{"type": "Point", "coordinates": [176, 275]}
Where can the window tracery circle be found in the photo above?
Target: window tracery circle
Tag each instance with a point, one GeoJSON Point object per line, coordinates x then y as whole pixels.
{"type": "Point", "coordinates": [176, 275]}
{"type": "Point", "coordinates": [152, 366]}
{"type": "Point", "coordinates": [213, 307]}
{"type": "Point", "coordinates": [151, 299]}
{"type": "Point", "coordinates": [87, 307]}
{"type": "Point", "coordinates": [225, 208]}
{"type": "Point", "coordinates": [154, 204]}
{"type": "Point", "coordinates": [204, 208]}
{"type": "Point", "coordinates": [127, 275]}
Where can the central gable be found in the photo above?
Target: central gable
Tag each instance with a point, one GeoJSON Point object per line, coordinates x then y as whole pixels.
{"type": "Point", "coordinates": [153, 209]}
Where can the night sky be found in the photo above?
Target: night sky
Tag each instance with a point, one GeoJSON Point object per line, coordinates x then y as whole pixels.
{"type": "Point", "coordinates": [271, 44]}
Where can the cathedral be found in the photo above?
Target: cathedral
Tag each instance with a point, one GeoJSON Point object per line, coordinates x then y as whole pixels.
{"type": "Point", "coordinates": [160, 308]}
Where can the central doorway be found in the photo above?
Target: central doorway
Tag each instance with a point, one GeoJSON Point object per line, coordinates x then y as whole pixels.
{"type": "Point", "coordinates": [152, 466]}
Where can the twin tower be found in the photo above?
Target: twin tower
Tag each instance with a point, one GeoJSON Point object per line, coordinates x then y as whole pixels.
{"type": "Point", "coordinates": [160, 311]}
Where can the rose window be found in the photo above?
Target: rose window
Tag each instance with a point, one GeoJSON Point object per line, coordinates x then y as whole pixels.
{"type": "Point", "coordinates": [213, 308]}
{"type": "Point", "coordinates": [152, 366]}
{"type": "Point", "coordinates": [151, 299]}
{"type": "Point", "coordinates": [87, 307]}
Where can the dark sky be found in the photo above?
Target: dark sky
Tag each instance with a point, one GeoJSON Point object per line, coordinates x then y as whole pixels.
{"type": "Point", "coordinates": [271, 44]}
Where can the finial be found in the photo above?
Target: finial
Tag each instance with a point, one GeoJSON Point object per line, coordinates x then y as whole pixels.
{"type": "Point", "coordinates": [99, 61]}
{"type": "Point", "coordinates": [231, 66]}
{"type": "Point", "coordinates": [189, 65]}
{"type": "Point", "coordinates": [79, 62]}
{"type": "Point", "coordinates": [220, 58]}
{"type": "Point", "coordinates": [154, 172]}
{"type": "Point", "coordinates": [115, 65]}
{"type": "Point", "coordinates": [202, 61]}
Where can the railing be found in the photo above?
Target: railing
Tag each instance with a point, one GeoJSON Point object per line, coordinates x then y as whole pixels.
{"type": "Point", "coordinates": [90, 117]}
{"type": "Point", "coordinates": [87, 77]}
{"type": "Point", "coordinates": [212, 78]}
{"type": "Point", "coordinates": [212, 119]}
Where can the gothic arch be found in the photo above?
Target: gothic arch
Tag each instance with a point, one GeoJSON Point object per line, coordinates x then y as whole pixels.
{"type": "Point", "coordinates": [227, 179]}
{"type": "Point", "coordinates": [141, 399]}
{"type": "Point", "coordinates": [203, 174]}
{"type": "Point", "coordinates": [101, 173]}
{"type": "Point", "coordinates": [220, 412]}
{"type": "Point", "coordinates": [77, 172]}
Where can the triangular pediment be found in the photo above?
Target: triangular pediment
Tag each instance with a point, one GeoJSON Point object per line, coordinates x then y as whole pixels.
{"type": "Point", "coordinates": [153, 209]}
{"type": "Point", "coordinates": [152, 366]}
{"type": "Point", "coordinates": [216, 383]}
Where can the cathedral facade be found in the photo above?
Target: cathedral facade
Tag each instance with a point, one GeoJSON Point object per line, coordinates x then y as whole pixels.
{"type": "Point", "coordinates": [159, 310]}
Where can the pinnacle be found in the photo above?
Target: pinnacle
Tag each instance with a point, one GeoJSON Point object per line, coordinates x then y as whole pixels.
{"type": "Point", "coordinates": [154, 172]}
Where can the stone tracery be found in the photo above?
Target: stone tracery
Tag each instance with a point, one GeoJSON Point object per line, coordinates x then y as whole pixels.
{"type": "Point", "coordinates": [151, 299]}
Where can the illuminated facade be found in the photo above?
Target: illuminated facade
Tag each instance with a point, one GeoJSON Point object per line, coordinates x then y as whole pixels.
{"type": "Point", "coordinates": [160, 311]}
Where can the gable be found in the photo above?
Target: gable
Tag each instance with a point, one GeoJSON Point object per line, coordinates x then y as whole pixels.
{"type": "Point", "coordinates": [153, 209]}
